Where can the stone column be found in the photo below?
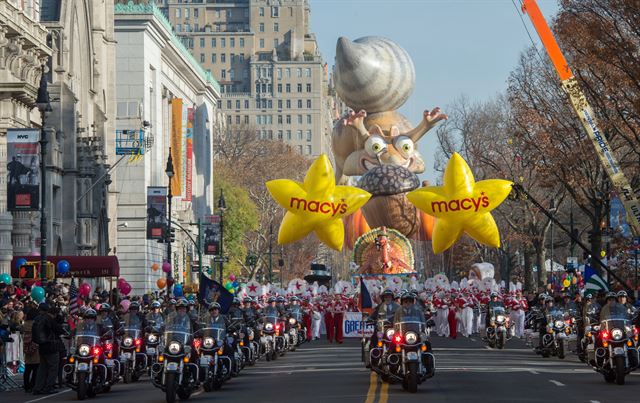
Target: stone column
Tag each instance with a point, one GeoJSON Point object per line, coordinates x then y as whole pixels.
{"type": "Point", "coordinates": [6, 220]}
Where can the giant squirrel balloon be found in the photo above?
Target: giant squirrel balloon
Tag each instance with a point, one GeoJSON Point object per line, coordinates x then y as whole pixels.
{"type": "Point", "coordinates": [374, 76]}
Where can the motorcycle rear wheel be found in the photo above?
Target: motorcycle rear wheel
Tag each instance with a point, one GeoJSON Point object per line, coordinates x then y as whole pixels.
{"type": "Point", "coordinates": [128, 378]}
{"type": "Point", "coordinates": [82, 386]}
{"type": "Point", "coordinates": [500, 341]}
{"type": "Point", "coordinates": [170, 387]}
{"type": "Point", "coordinates": [619, 365]}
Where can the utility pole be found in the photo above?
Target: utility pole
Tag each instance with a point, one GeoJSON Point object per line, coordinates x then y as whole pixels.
{"type": "Point", "coordinates": [270, 253]}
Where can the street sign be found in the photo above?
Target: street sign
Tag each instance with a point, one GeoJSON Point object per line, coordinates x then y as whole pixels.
{"type": "Point", "coordinates": [220, 259]}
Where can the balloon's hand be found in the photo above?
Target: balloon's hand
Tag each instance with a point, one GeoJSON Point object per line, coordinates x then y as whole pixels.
{"type": "Point", "coordinates": [434, 116]}
{"type": "Point", "coordinates": [356, 120]}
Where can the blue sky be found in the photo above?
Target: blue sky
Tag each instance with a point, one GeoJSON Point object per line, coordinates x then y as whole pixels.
{"type": "Point", "coordinates": [459, 47]}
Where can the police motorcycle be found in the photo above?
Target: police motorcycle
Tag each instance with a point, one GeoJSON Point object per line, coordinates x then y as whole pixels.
{"type": "Point", "coordinates": [556, 334]}
{"type": "Point", "coordinates": [499, 329]}
{"type": "Point", "coordinates": [251, 331]}
{"type": "Point", "coordinates": [214, 364]}
{"type": "Point", "coordinates": [384, 334]}
{"type": "Point", "coordinates": [235, 346]}
{"type": "Point", "coordinates": [614, 353]}
{"type": "Point", "coordinates": [134, 362]}
{"type": "Point", "coordinates": [153, 339]}
{"type": "Point", "coordinates": [109, 344]}
{"type": "Point", "coordinates": [410, 358]}
{"type": "Point", "coordinates": [86, 369]}
{"type": "Point", "coordinates": [590, 320]}
{"type": "Point", "coordinates": [273, 340]}
{"type": "Point", "coordinates": [174, 373]}
{"type": "Point", "coordinates": [295, 328]}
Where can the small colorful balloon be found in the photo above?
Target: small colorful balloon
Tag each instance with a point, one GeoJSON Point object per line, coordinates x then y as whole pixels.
{"type": "Point", "coordinates": [63, 267]}
{"type": "Point", "coordinates": [84, 290]}
{"type": "Point", "coordinates": [37, 294]}
{"type": "Point", "coordinates": [126, 289]}
{"type": "Point", "coordinates": [21, 262]}
{"type": "Point", "coordinates": [125, 304]}
{"type": "Point", "coordinates": [5, 278]}
{"type": "Point", "coordinates": [155, 267]}
{"type": "Point", "coordinates": [177, 291]}
{"type": "Point", "coordinates": [161, 283]}
{"type": "Point", "coordinates": [166, 267]}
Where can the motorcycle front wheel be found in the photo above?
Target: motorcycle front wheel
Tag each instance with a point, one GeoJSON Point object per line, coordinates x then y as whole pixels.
{"type": "Point", "coordinates": [619, 365]}
{"type": "Point", "coordinates": [82, 386]}
{"type": "Point", "coordinates": [500, 341]}
{"type": "Point", "coordinates": [170, 388]}
{"type": "Point", "coordinates": [560, 350]}
{"type": "Point", "coordinates": [412, 377]}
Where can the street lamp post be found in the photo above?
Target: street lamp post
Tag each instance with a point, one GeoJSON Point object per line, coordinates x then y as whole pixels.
{"type": "Point", "coordinates": [44, 106]}
{"type": "Point", "coordinates": [169, 171]}
{"type": "Point", "coordinates": [222, 206]}
{"type": "Point", "coordinates": [270, 253]}
{"type": "Point", "coordinates": [552, 209]}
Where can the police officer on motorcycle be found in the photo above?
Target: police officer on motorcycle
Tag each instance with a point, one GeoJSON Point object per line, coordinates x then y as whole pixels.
{"type": "Point", "coordinates": [623, 300]}
{"type": "Point", "coordinates": [251, 314]}
{"type": "Point", "coordinates": [493, 303]}
{"type": "Point", "coordinates": [386, 310]}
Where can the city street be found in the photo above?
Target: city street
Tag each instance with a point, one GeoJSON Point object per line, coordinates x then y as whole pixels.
{"type": "Point", "coordinates": [467, 371]}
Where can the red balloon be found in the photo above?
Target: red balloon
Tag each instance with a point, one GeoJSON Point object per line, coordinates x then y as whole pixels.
{"type": "Point", "coordinates": [125, 289]}
{"type": "Point", "coordinates": [170, 282]}
{"type": "Point", "coordinates": [121, 282]}
{"type": "Point", "coordinates": [84, 290]}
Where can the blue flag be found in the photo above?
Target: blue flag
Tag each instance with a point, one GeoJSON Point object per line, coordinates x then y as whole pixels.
{"type": "Point", "coordinates": [365, 298]}
{"type": "Point", "coordinates": [211, 290]}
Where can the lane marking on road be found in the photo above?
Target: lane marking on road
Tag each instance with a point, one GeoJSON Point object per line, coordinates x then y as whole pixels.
{"type": "Point", "coordinates": [534, 372]}
{"type": "Point", "coordinates": [487, 348]}
{"type": "Point", "coordinates": [48, 396]}
{"type": "Point", "coordinates": [299, 371]}
{"type": "Point", "coordinates": [384, 393]}
{"type": "Point", "coordinates": [553, 381]}
{"type": "Point", "coordinates": [594, 401]}
{"type": "Point", "coordinates": [373, 385]}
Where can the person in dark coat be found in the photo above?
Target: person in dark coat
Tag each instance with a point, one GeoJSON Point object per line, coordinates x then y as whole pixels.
{"type": "Point", "coordinates": [45, 332]}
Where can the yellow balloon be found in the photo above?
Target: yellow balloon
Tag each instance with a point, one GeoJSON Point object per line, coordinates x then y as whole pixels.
{"type": "Point", "coordinates": [317, 205]}
{"type": "Point", "coordinates": [566, 283]}
{"type": "Point", "coordinates": [461, 205]}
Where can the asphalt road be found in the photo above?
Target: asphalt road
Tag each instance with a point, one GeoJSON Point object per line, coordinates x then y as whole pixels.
{"type": "Point", "coordinates": [467, 371]}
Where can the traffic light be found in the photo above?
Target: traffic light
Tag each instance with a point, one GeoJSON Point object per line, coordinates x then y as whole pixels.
{"type": "Point", "coordinates": [172, 235]}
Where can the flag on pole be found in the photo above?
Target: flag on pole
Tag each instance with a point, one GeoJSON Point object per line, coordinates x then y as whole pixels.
{"type": "Point", "coordinates": [73, 298]}
{"type": "Point", "coordinates": [211, 290]}
{"type": "Point", "coordinates": [593, 282]}
{"type": "Point", "coordinates": [366, 303]}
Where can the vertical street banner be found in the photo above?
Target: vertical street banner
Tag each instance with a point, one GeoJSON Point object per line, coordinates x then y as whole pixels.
{"type": "Point", "coordinates": [23, 169]}
{"type": "Point", "coordinates": [211, 235]}
{"type": "Point", "coordinates": [156, 211]}
{"type": "Point", "coordinates": [189, 160]}
{"type": "Point", "coordinates": [176, 146]}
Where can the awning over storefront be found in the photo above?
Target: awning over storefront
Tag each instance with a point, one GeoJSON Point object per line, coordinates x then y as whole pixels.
{"type": "Point", "coordinates": [80, 266]}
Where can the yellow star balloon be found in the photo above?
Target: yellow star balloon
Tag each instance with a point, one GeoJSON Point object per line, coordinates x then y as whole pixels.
{"type": "Point", "coordinates": [462, 205]}
{"type": "Point", "coordinates": [317, 205]}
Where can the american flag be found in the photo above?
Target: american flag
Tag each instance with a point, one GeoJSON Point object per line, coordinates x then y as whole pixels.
{"type": "Point", "coordinates": [73, 298]}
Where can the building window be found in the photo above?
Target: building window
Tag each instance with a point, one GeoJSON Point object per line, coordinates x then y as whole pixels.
{"type": "Point", "coordinates": [308, 87]}
{"type": "Point", "coordinates": [307, 72]}
{"type": "Point", "coordinates": [213, 42]}
{"type": "Point", "coordinates": [202, 42]}
{"type": "Point", "coordinates": [237, 119]}
{"type": "Point", "coordinates": [196, 27]}
{"type": "Point", "coordinates": [233, 58]}
{"type": "Point", "coordinates": [279, 103]}
{"type": "Point", "coordinates": [261, 27]}
{"type": "Point", "coordinates": [275, 43]}
{"type": "Point", "coordinates": [246, 119]}
{"type": "Point", "coordinates": [270, 102]}
{"type": "Point", "coordinates": [270, 134]}
{"type": "Point", "coordinates": [299, 87]}
{"type": "Point", "coordinates": [232, 74]}
{"type": "Point", "coordinates": [241, 57]}
{"type": "Point", "coordinates": [279, 87]}
{"type": "Point", "coordinates": [219, 104]}
{"type": "Point", "coordinates": [287, 72]}
{"type": "Point", "coordinates": [280, 135]}
{"type": "Point", "coordinates": [275, 11]}
{"type": "Point", "coordinates": [246, 104]}
{"type": "Point", "coordinates": [229, 104]}
{"type": "Point", "coordinates": [287, 87]}
{"type": "Point", "coordinates": [261, 11]}
{"type": "Point", "coordinates": [288, 119]}
{"type": "Point", "coordinates": [288, 104]}
{"type": "Point", "coordinates": [178, 28]}
{"type": "Point", "coordinates": [261, 43]}
{"type": "Point", "coordinates": [223, 74]}
{"type": "Point", "coordinates": [309, 150]}
{"type": "Point", "coordinates": [309, 119]}
{"type": "Point", "coordinates": [229, 13]}
{"type": "Point", "coordinates": [299, 134]}
{"type": "Point", "coordinates": [308, 135]}
{"type": "Point", "coordinates": [299, 103]}
{"type": "Point", "coordinates": [242, 42]}
{"type": "Point", "coordinates": [246, 12]}
{"type": "Point", "coordinates": [299, 72]}
{"type": "Point", "coordinates": [308, 104]}
{"type": "Point", "coordinates": [229, 119]}
{"type": "Point", "coordinates": [232, 42]}
{"type": "Point", "coordinates": [187, 27]}
{"type": "Point", "coordinates": [213, 58]}
{"type": "Point", "coordinates": [201, 57]}
{"type": "Point", "coordinates": [186, 13]}
{"type": "Point", "coordinates": [300, 122]}
{"type": "Point", "coordinates": [279, 72]}
{"type": "Point", "coordinates": [279, 119]}
{"type": "Point", "coordinates": [196, 13]}
{"type": "Point", "coordinates": [289, 135]}
{"type": "Point", "coordinates": [223, 42]}
{"type": "Point", "coordinates": [178, 13]}
{"type": "Point", "coordinates": [276, 27]}
{"type": "Point", "coordinates": [223, 58]}
{"type": "Point", "coordinates": [238, 104]}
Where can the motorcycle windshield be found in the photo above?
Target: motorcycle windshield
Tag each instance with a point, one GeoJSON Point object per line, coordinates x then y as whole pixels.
{"type": "Point", "coordinates": [87, 333]}
{"type": "Point", "coordinates": [178, 328]}
{"type": "Point", "coordinates": [498, 310]}
{"type": "Point", "coordinates": [408, 326]}
{"type": "Point", "coordinates": [156, 321]}
{"type": "Point", "coordinates": [215, 331]}
{"type": "Point", "coordinates": [271, 315]}
{"type": "Point", "coordinates": [615, 312]}
{"type": "Point", "coordinates": [296, 313]}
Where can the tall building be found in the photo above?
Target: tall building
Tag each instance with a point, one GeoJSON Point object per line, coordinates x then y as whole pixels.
{"type": "Point", "coordinates": [272, 77]}
{"type": "Point", "coordinates": [164, 99]}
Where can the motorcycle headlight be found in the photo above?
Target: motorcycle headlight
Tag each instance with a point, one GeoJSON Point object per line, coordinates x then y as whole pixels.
{"type": "Point", "coordinates": [616, 334]}
{"type": "Point", "coordinates": [500, 318]}
{"type": "Point", "coordinates": [208, 342]}
{"type": "Point", "coordinates": [152, 338]}
{"type": "Point", "coordinates": [292, 321]}
{"type": "Point", "coordinates": [268, 326]}
{"type": "Point", "coordinates": [174, 347]}
{"type": "Point", "coordinates": [411, 337]}
{"type": "Point", "coordinates": [559, 324]}
{"type": "Point", "coordinates": [83, 350]}
{"type": "Point", "coordinates": [127, 342]}
{"type": "Point", "coordinates": [389, 333]}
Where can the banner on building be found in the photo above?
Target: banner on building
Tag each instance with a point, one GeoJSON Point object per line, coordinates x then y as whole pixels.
{"type": "Point", "coordinates": [156, 211]}
{"type": "Point", "coordinates": [352, 325]}
{"type": "Point", "coordinates": [176, 146]}
{"type": "Point", "coordinates": [23, 169]}
{"type": "Point", "coordinates": [212, 235]}
{"type": "Point", "coordinates": [188, 182]}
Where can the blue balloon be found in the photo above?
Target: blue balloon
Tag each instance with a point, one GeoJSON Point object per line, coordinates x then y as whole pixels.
{"type": "Point", "coordinates": [63, 267]}
{"type": "Point", "coordinates": [235, 284]}
{"type": "Point", "coordinates": [177, 290]}
{"type": "Point", "coordinates": [21, 262]}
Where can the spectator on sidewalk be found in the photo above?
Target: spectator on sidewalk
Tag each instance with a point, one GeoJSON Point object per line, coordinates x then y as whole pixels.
{"type": "Point", "coordinates": [45, 332]}
{"type": "Point", "coordinates": [31, 356]}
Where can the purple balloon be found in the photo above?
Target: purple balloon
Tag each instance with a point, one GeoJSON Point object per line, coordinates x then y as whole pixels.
{"type": "Point", "coordinates": [166, 267]}
{"type": "Point", "coordinates": [125, 289]}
